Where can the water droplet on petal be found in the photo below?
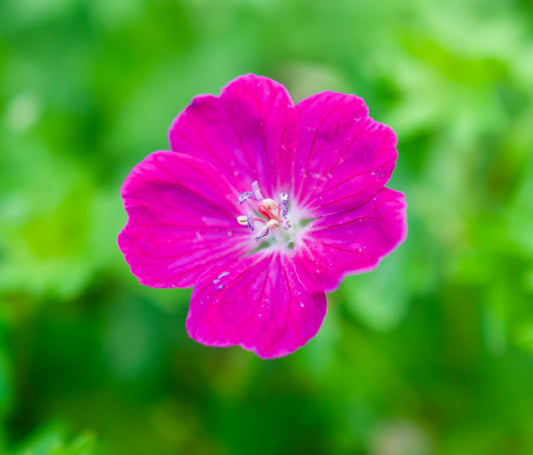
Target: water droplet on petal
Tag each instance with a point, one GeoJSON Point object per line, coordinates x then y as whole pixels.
{"type": "Point", "coordinates": [217, 279]}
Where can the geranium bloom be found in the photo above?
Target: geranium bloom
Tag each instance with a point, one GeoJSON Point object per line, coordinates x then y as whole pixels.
{"type": "Point", "coordinates": [263, 206]}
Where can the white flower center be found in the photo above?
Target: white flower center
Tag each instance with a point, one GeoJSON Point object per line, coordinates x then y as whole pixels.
{"type": "Point", "coordinates": [266, 216]}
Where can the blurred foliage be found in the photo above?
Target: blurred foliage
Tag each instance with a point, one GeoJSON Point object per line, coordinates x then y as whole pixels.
{"type": "Point", "coordinates": [50, 442]}
{"type": "Point", "coordinates": [432, 353]}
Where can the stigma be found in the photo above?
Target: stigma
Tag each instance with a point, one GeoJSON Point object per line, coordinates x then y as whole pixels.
{"type": "Point", "coordinates": [265, 214]}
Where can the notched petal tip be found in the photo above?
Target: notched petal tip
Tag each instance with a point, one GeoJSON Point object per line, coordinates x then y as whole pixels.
{"type": "Point", "coordinates": [249, 131]}
{"type": "Point", "coordinates": [344, 157]}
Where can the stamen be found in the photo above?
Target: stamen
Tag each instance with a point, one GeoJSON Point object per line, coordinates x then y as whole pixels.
{"type": "Point", "coordinates": [250, 221]}
{"type": "Point", "coordinates": [244, 196]}
{"type": "Point", "coordinates": [274, 213]}
{"type": "Point", "coordinates": [270, 204]}
{"type": "Point", "coordinates": [262, 233]}
{"type": "Point", "coordinates": [284, 208]}
{"type": "Point", "coordinates": [284, 211]}
{"type": "Point", "coordinates": [256, 191]}
{"type": "Point", "coordinates": [246, 220]}
{"type": "Point", "coordinates": [273, 224]}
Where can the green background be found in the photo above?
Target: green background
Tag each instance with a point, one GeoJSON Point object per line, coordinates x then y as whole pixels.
{"type": "Point", "coordinates": [432, 353]}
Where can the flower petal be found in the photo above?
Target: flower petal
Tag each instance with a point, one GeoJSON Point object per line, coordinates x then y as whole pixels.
{"type": "Point", "coordinates": [343, 156]}
{"type": "Point", "coordinates": [249, 132]}
{"type": "Point", "coordinates": [257, 303]}
{"type": "Point", "coordinates": [182, 219]}
{"type": "Point", "coordinates": [350, 242]}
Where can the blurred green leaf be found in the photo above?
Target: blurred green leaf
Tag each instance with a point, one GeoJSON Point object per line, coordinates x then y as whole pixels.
{"type": "Point", "coordinates": [51, 442]}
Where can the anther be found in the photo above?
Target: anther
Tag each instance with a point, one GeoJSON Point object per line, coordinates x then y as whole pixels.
{"type": "Point", "coordinates": [262, 233]}
{"type": "Point", "coordinates": [244, 196]}
{"type": "Point", "coordinates": [250, 221]}
{"type": "Point", "coordinates": [246, 220]}
{"type": "Point", "coordinates": [273, 224]}
{"type": "Point", "coordinates": [284, 208]}
{"type": "Point", "coordinates": [256, 191]}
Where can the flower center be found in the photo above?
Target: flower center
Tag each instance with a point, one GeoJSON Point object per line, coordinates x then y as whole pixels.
{"type": "Point", "coordinates": [265, 214]}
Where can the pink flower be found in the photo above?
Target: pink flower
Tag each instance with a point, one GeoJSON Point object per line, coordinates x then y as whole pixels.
{"type": "Point", "coordinates": [263, 206]}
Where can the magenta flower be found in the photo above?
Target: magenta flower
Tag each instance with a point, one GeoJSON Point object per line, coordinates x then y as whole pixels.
{"type": "Point", "coordinates": [263, 206]}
